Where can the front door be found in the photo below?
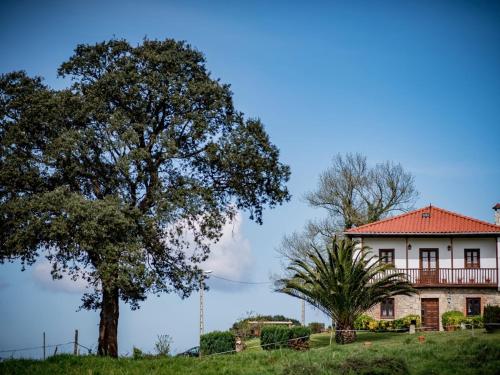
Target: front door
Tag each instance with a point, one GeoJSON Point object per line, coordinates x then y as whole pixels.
{"type": "Point", "coordinates": [430, 314]}
{"type": "Point", "coordinates": [429, 266]}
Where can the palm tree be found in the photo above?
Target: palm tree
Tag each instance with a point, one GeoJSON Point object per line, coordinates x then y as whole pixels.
{"type": "Point", "coordinates": [342, 281]}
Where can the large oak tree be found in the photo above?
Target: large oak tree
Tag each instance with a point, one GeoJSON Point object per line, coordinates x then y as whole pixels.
{"type": "Point", "coordinates": [126, 177]}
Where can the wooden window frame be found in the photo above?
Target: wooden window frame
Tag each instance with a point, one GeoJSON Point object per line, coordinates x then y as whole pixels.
{"type": "Point", "coordinates": [393, 309]}
{"type": "Point", "coordinates": [380, 251]}
{"type": "Point", "coordinates": [467, 305]}
{"type": "Point", "coordinates": [421, 250]}
{"type": "Point", "coordinates": [472, 265]}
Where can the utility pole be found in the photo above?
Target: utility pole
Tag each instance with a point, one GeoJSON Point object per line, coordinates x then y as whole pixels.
{"type": "Point", "coordinates": [202, 303]}
{"type": "Point", "coordinates": [303, 315]}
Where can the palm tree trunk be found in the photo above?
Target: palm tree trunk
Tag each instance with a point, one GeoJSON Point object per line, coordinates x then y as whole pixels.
{"type": "Point", "coordinates": [345, 334]}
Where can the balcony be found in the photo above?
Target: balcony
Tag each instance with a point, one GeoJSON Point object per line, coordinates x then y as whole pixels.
{"type": "Point", "coordinates": [450, 277]}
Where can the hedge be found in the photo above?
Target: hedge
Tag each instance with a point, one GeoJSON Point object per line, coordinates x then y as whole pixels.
{"type": "Point", "coordinates": [276, 337]}
{"type": "Point", "coordinates": [217, 342]}
{"type": "Point", "coordinates": [453, 319]}
{"type": "Point", "coordinates": [491, 318]}
{"type": "Point", "coordinates": [366, 322]}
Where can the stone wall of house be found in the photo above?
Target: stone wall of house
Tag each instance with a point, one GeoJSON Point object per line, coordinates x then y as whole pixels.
{"type": "Point", "coordinates": [449, 299]}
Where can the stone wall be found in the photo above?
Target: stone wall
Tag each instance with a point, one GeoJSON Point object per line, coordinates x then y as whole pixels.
{"type": "Point", "coordinates": [449, 299]}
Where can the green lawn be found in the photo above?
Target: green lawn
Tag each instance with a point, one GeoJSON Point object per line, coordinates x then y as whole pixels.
{"type": "Point", "coordinates": [389, 353]}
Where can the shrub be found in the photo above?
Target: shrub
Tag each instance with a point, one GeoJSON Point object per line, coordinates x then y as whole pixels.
{"type": "Point", "coordinates": [373, 325]}
{"type": "Point", "coordinates": [162, 346]}
{"type": "Point", "coordinates": [316, 327]}
{"type": "Point", "coordinates": [491, 318]}
{"type": "Point", "coordinates": [217, 342]}
{"type": "Point", "coordinates": [362, 322]}
{"type": "Point", "coordinates": [276, 337]}
{"type": "Point", "coordinates": [452, 318]}
{"type": "Point", "coordinates": [473, 321]}
{"type": "Point", "coordinates": [366, 322]}
{"type": "Point", "coordinates": [385, 325]}
{"type": "Point", "coordinates": [137, 353]}
{"type": "Point", "coordinates": [404, 322]}
{"type": "Point", "coordinates": [299, 338]}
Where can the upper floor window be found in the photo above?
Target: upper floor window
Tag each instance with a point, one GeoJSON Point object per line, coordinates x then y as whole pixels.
{"type": "Point", "coordinates": [471, 258]}
{"type": "Point", "coordinates": [387, 309]}
{"type": "Point", "coordinates": [473, 306]}
{"type": "Point", "coordinates": [386, 256]}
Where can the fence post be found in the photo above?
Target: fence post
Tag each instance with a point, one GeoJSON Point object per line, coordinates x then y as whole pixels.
{"type": "Point", "coordinates": [75, 347]}
{"type": "Point", "coordinates": [44, 346]}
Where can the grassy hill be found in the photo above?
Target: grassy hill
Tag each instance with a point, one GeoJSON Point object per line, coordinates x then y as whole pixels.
{"type": "Point", "coordinates": [374, 353]}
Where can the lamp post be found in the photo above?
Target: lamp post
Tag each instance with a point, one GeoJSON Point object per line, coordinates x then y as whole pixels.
{"type": "Point", "coordinates": [202, 307]}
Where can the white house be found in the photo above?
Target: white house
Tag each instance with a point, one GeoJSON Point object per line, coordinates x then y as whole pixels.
{"type": "Point", "coordinates": [451, 259]}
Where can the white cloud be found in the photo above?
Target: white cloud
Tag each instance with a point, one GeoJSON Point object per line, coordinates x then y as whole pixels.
{"type": "Point", "coordinates": [231, 257]}
{"type": "Point", "coordinates": [41, 274]}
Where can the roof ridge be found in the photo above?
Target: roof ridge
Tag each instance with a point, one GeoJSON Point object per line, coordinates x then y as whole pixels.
{"type": "Point", "coordinates": [467, 217]}
{"type": "Point", "coordinates": [389, 218]}
{"type": "Point", "coordinates": [439, 213]}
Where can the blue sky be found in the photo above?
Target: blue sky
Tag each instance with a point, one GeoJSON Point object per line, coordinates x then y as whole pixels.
{"type": "Point", "coordinates": [412, 82]}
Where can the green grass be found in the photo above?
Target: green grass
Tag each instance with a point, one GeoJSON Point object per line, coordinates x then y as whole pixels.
{"type": "Point", "coordinates": [389, 353]}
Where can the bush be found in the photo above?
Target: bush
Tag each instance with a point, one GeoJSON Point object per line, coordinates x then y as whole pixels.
{"type": "Point", "coordinates": [162, 346]}
{"type": "Point", "coordinates": [299, 338]}
{"type": "Point", "coordinates": [366, 322]}
{"type": "Point", "coordinates": [276, 337]}
{"type": "Point", "coordinates": [452, 318]}
{"type": "Point", "coordinates": [373, 325]}
{"type": "Point", "coordinates": [385, 325]}
{"type": "Point", "coordinates": [217, 342]}
{"type": "Point", "coordinates": [362, 322]}
{"type": "Point", "coordinates": [316, 327]}
{"type": "Point", "coordinates": [405, 322]}
{"type": "Point", "coordinates": [491, 318]}
{"type": "Point", "coordinates": [473, 321]}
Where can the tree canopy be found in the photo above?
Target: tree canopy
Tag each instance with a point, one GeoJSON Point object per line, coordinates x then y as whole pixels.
{"type": "Point", "coordinates": [126, 177]}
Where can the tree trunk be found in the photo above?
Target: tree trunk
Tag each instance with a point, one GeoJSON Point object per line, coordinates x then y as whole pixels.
{"type": "Point", "coordinates": [108, 326]}
{"type": "Point", "coordinates": [344, 334]}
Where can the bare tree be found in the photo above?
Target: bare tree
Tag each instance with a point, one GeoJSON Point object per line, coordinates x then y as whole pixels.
{"type": "Point", "coordinates": [353, 194]}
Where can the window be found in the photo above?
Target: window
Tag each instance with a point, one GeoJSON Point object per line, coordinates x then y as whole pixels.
{"type": "Point", "coordinates": [386, 256]}
{"type": "Point", "coordinates": [387, 309]}
{"type": "Point", "coordinates": [473, 306]}
{"type": "Point", "coordinates": [471, 258]}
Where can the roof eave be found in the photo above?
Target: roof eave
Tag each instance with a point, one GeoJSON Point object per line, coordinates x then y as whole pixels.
{"type": "Point", "coordinates": [423, 234]}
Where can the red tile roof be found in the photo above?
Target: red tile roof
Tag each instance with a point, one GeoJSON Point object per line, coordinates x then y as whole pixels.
{"type": "Point", "coordinates": [427, 220]}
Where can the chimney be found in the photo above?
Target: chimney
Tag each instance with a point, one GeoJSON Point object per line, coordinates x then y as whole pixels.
{"type": "Point", "coordinates": [496, 207]}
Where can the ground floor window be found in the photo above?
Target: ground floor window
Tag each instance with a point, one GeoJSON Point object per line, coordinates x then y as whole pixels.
{"type": "Point", "coordinates": [387, 309]}
{"type": "Point", "coordinates": [473, 306]}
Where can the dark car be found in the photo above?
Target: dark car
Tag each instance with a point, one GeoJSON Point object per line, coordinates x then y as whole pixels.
{"type": "Point", "coordinates": [193, 352]}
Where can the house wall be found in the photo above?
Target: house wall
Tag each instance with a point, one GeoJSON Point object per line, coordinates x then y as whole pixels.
{"type": "Point", "coordinates": [487, 246]}
{"type": "Point", "coordinates": [449, 299]}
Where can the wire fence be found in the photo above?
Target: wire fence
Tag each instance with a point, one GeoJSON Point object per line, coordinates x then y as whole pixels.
{"type": "Point", "coordinates": [37, 352]}
{"type": "Point", "coordinates": [46, 350]}
{"type": "Point", "coordinates": [473, 329]}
